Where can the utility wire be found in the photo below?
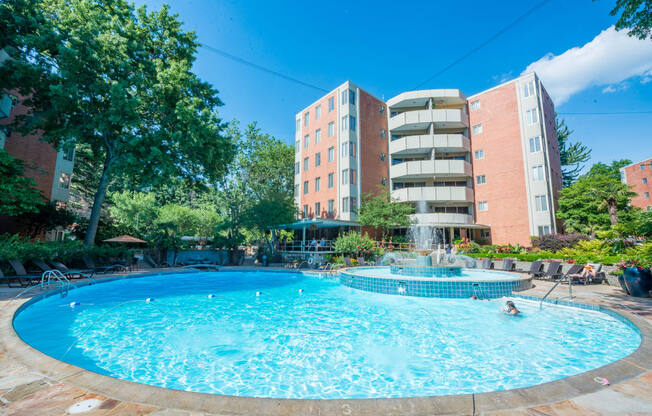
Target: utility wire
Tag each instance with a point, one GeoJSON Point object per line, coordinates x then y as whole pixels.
{"type": "Point", "coordinates": [483, 44]}
{"type": "Point", "coordinates": [606, 113]}
{"type": "Point", "coordinates": [261, 68]}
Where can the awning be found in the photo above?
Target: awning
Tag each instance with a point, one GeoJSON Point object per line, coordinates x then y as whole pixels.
{"type": "Point", "coordinates": [125, 239]}
{"type": "Point", "coordinates": [315, 222]}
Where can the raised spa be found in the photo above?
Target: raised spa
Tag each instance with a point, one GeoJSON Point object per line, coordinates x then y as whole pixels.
{"type": "Point", "coordinates": [304, 336]}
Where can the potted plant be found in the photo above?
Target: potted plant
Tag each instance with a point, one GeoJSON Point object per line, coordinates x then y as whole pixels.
{"type": "Point", "coordinates": [636, 276]}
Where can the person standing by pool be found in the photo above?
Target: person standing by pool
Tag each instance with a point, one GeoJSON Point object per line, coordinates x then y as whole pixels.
{"type": "Point", "coordinates": [448, 253]}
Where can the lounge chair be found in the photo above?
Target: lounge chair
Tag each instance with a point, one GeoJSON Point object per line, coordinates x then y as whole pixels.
{"type": "Point", "coordinates": [22, 273]}
{"type": "Point", "coordinates": [9, 279]}
{"type": "Point", "coordinates": [362, 262]}
{"type": "Point", "coordinates": [42, 265]}
{"type": "Point", "coordinates": [347, 262]}
{"type": "Point", "coordinates": [508, 265]}
{"type": "Point", "coordinates": [487, 264]}
{"type": "Point", "coordinates": [553, 272]}
{"type": "Point", "coordinates": [536, 269]}
{"type": "Point", "coordinates": [575, 273]}
{"type": "Point", "coordinates": [151, 263]}
{"type": "Point", "coordinates": [73, 273]}
{"type": "Point", "coordinates": [203, 266]}
{"type": "Point", "coordinates": [102, 269]}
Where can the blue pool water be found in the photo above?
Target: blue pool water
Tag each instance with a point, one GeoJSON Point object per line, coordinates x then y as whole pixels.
{"type": "Point", "coordinates": [328, 341]}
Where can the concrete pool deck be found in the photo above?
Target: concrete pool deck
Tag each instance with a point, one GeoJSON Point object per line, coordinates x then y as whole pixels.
{"type": "Point", "coordinates": [34, 383]}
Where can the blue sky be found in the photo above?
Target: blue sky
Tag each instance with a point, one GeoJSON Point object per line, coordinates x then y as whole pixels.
{"type": "Point", "coordinates": [391, 47]}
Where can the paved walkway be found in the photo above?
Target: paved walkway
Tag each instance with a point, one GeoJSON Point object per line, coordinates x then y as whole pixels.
{"type": "Point", "coordinates": [27, 391]}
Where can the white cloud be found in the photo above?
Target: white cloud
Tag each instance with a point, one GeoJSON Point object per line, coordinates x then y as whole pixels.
{"type": "Point", "coordinates": [617, 87]}
{"type": "Point", "coordinates": [610, 58]}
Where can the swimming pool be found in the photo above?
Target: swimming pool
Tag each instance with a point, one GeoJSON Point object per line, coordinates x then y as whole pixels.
{"type": "Point", "coordinates": [310, 337]}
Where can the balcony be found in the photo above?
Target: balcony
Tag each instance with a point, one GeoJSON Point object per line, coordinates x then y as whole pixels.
{"type": "Point", "coordinates": [435, 193]}
{"type": "Point", "coordinates": [421, 119]}
{"type": "Point", "coordinates": [443, 219]}
{"type": "Point", "coordinates": [424, 143]}
{"type": "Point", "coordinates": [430, 169]}
{"type": "Point", "coordinates": [411, 99]}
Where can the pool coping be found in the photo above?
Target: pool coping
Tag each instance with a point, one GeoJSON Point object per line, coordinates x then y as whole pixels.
{"type": "Point", "coordinates": [517, 276]}
{"type": "Point", "coordinates": [639, 362]}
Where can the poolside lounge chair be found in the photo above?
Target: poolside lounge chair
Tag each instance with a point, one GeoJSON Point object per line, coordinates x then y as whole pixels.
{"type": "Point", "coordinates": [102, 269]}
{"type": "Point", "coordinates": [9, 279]}
{"type": "Point", "coordinates": [362, 262]}
{"type": "Point", "coordinates": [347, 262]}
{"type": "Point", "coordinates": [22, 273]}
{"type": "Point", "coordinates": [203, 267]}
{"type": "Point", "coordinates": [73, 273]}
{"type": "Point", "coordinates": [42, 265]}
{"type": "Point", "coordinates": [487, 264]}
{"type": "Point", "coordinates": [575, 273]}
{"type": "Point", "coordinates": [553, 272]}
{"type": "Point", "coordinates": [536, 269]}
{"type": "Point", "coordinates": [150, 261]}
{"type": "Point", "coordinates": [508, 265]}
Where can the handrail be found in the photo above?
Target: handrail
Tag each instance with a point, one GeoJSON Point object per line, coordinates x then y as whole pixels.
{"type": "Point", "coordinates": [570, 289]}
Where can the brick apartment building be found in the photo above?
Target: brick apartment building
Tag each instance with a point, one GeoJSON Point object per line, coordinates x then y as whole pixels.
{"type": "Point", "coordinates": [50, 169]}
{"type": "Point", "coordinates": [639, 177]}
{"type": "Point", "coordinates": [485, 167]}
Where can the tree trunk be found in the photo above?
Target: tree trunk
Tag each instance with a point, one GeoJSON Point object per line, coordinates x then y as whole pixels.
{"type": "Point", "coordinates": [613, 213]}
{"type": "Point", "coordinates": [94, 220]}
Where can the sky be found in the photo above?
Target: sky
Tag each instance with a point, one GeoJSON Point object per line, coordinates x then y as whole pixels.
{"type": "Point", "coordinates": [388, 47]}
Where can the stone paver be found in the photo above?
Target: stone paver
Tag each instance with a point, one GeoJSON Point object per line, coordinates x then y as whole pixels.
{"type": "Point", "coordinates": [27, 391]}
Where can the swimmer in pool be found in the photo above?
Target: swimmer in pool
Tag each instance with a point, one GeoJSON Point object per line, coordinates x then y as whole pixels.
{"type": "Point", "coordinates": [510, 308]}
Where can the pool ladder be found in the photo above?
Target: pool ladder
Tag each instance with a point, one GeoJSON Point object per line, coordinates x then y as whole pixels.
{"type": "Point", "coordinates": [570, 289]}
{"type": "Point", "coordinates": [477, 292]}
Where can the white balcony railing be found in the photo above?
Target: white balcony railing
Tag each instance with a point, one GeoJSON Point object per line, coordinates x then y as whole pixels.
{"type": "Point", "coordinates": [421, 119]}
{"type": "Point", "coordinates": [430, 168]}
{"type": "Point", "coordinates": [434, 193]}
{"type": "Point", "coordinates": [424, 143]}
{"type": "Point", "coordinates": [442, 219]}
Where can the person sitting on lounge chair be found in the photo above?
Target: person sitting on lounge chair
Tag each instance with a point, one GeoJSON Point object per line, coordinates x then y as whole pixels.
{"type": "Point", "coordinates": [589, 272]}
{"type": "Point", "coordinates": [510, 308]}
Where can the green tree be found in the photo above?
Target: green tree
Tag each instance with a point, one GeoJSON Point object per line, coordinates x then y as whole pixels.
{"type": "Point", "coordinates": [18, 194]}
{"type": "Point", "coordinates": [134, 210]}
{"type": "Point", "coordinates": [572, 156]}
{"type": "Point", "coordinates": [612, 170]}
{"type": "Point", "coordinates": [118, 80]}
{"type": "Point", "coordinates": [383, 212]}
{"type": "Point", "coordinates": [636, 16]}
{"type": "Point", "coordinates": [594, 201]}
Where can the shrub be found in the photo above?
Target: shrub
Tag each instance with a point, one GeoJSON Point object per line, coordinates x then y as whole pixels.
{"type": "Point", "coordinates": [352, 243]}
{"type": "Point", "coordinates": [556, 242]}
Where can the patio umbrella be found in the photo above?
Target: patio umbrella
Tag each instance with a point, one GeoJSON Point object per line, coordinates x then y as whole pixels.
{"type": "Point", "coordinates": [125, 239]}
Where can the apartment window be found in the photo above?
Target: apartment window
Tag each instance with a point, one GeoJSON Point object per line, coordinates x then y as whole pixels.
{"type": "Point", "coordinates": [537, 173]}
{"type": "Point", "coordinates": [479, 154]}
{"type": "Point", "coordinates": [306, 163]}
{"type": "Point", "coordinates": [345, 204]}
{"type": "Point", "coordinates": [296, 168]}
{"type": "Point", "coordinates": [541, 203]}
{"type": "Point", "coordinates": [331, 104]}
{"type": "Point", "coordinates": [483, 206]}
{"type": "Point", "coordinates": [383, 133]}
{"type": "Point", "coordinates": [331, 154]}
{"type": "Point", "coordinates": [480, 179]}
{"type": "Point", "coordinates": [644, 180]}
{"type": "Point", "coordinates": [348, 96]}
{"type": "Point", "coordinates": [354, 204]}
{"type": "Point", "coordinates": [318, 112]}
{"type": "Point", "coordinates": [352, 123]}
{"type": "Point", "coordinates": [475, 105]}
{"type": "Point", "coordinates": [383, 181]}
{"type": "Point", "coordinates": [331, 129]}
{"type": "Point", "coordinates": [528, 89]}
{"type": "Point", "coordinates": [317, 159]}
{"type": "Point", "coordinates": [348, 148]}
{"type": "Point", "coordinates": [298, 124]}
{"type": "Point", "coordinates": [345, 177]}
{"type": "Point", "coordinates": [64, 181]}
{"type": "Point", "coordinates": [646, 194]}
{"type": "Point", "coordinates": [331, 206]}
{"type": "Point", "coordinates": [383, 157]}
{"type": "Point", "coordinates": [305, 211]}
{"type": "Point", "coordinates": [317, 209]}
{"type": "Point", "coordinates": [345, 97]}
{"type": "Point", "coordinates": [69, 154]}
{"type": "Point", "coordinates": [643, 166]}
{"type": "Point", "coordinates": [296, 189]}
{"type": "Point", "coordinates": [535, 144]}
{"type": "Point", "coordinates": [305, 187]}
{"type": "Point", "coordinates": [544, 230]}
{"type": "Point", "coordinates": [317, 135]}
{"type": "Point", "coordinates": [306, 119]}
{"type": "Point", "coordinates": [317, 184]}
{"type": "Point", "coordinates": [306, 141]}
{"type": "Point", "coordinates": [331, 180]}
{"type": "Point", "coordinates": [477, 129]}
{"type": "Point", "coordinates": [382, 109]}
{"type": "Point", "coordinates": [297, 145]}
{"type": "Point", "coordinates": [348, 122]}
{"type": "Point", "coordinates": [532, 116]}
{"type": "Point", "coordinates": [353, 176]}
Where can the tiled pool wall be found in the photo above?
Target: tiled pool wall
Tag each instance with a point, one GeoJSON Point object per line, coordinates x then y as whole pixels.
{"type": "Point", "coordinates": [434, 288]}
{"type": "Point", "coordinates": [425, 271]}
